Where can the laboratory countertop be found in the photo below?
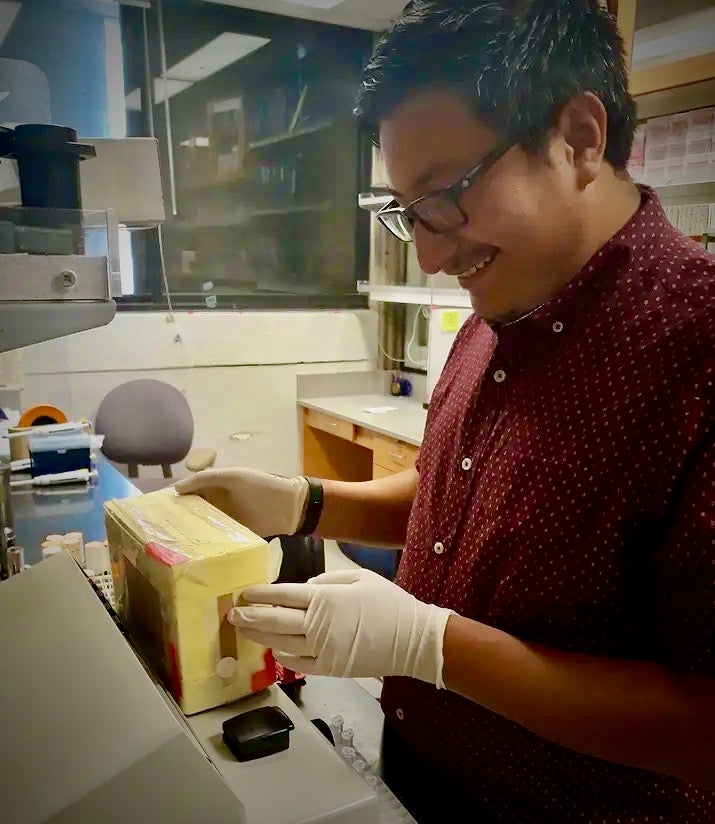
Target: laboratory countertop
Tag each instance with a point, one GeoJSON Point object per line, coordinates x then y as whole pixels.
{"type": "Point", "coordinates": [80, 508]}
{"type": "Point", "coordinates": [405, 421]}
{"type": "Point", "coordinates": [69, 508]}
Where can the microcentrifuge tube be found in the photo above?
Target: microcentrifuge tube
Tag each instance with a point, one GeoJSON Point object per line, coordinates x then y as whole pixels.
{"type": "Point", "coordinates": [336, 730]}
{"type": "Point", "coordinates": [348, 754]}
{"type": "Point", "coordinates": [360, 765]}
{"type": "Point", "coordinates": [348, 737]}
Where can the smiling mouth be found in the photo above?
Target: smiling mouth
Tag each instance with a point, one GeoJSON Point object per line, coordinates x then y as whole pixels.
{"type": "Point", "coordinates": [477, 270]}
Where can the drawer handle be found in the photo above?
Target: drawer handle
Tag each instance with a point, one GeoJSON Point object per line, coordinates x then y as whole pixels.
{"type": "Point", "coordinates": [397, 456]}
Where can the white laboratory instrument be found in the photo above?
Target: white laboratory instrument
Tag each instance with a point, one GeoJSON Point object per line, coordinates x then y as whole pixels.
{"type": "Point", "coordinates": [59, 267]}
{"type": "Point", "coordinates": [89, 735]}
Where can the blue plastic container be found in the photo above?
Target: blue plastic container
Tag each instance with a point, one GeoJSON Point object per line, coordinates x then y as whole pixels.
{"type": "Point", "coordinates": [50, 454]}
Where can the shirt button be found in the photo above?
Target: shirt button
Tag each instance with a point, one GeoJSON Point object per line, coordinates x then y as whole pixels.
{"type": "Point", "coordinates": [400, 713]}
{"type": "Point", "coordinates": [558, 326]}
{"type": "Point", "coordinates": [500, 376]}
{"type": "Point", "coordinates": [467, 464]}
{"type": "Point", "coordinates": [438, 548]}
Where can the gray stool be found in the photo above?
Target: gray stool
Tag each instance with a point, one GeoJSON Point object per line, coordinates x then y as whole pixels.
{"type": "Point", "coordinates": [149, 423]}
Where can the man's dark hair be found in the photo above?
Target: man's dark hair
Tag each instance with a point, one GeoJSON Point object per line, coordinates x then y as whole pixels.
{"type": "Point", "coordinates": [517, 62]}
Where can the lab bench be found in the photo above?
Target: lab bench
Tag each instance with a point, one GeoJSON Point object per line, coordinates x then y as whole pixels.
{"type": "Point", "coordinates": [39, 512]}
{"type": "Point", "coordinates": [354, 430]}
{"type": "Point", "coordinates": [43, 511]}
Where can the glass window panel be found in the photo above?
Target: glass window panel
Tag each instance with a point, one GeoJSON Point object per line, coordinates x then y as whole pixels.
{"type": "Point", "coordinates": [261, 156]}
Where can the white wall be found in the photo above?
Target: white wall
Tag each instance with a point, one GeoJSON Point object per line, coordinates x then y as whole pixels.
{"type": "Point", "coordinates": [237, 369]}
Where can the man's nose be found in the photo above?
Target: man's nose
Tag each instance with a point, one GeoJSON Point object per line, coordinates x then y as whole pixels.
{"type": "Point", "coordinates": [434, 251]}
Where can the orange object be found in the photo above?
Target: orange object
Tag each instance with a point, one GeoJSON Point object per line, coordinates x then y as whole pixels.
{"type": "Point", "coordinates": [42, 415]}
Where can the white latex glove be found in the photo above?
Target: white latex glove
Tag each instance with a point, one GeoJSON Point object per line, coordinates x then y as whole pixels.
{"type": "Point", "coordinates": [349, 623]}
{"type": "Point", "coordinates": [267, 504]}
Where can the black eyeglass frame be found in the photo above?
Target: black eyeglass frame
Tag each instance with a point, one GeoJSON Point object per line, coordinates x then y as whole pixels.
{"type": "Point", "coordinates": [452, 194]}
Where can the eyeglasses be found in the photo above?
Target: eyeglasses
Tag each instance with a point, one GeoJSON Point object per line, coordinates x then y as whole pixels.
{"type": "Point", "coordinates": [437, 211]}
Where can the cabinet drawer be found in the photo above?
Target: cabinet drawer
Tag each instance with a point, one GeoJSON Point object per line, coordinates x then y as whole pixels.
{"type": "Point", "coordinates": [364, 437]}
{"type": "Point", "coordinates": [392, 454]}
{"type": "Point", "coordinates": [327, 423]}
{"type": "Point", "coordinates": [380, 472]}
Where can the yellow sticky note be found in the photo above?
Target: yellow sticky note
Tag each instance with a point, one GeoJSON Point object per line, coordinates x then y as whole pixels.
{"type": "Point", "coordinates": [450, 321]}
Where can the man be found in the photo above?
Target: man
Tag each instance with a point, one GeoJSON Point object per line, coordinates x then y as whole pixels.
{"type": "Point", "coordinates": [550, 647]}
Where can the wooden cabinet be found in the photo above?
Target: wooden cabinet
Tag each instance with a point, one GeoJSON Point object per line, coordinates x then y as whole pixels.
{"type": "Point", "coordinates": [393, 455]}
{"type": "Point", "coordinates": [330, 449]}
{"type": "Point", "coordinates": [337, 449]}
{"type": "Point", "coordinates": [328, 423]}
{"type": "Point", "coordinates": [668, 43]}
{"type": "Point", "coordinates": [380, 472]}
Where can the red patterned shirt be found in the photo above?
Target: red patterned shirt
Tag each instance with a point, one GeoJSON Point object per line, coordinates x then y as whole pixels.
{"type": "Point", "coordinates": [565, 497]}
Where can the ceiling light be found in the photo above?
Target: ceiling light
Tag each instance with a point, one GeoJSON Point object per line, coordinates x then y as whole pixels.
{"type": "Point", "coordinates": [315, 4]}
{"type": "Point", "coordinates": [168, 88]}
{"type": "Point", "coordinates": [134, 100]}
{"type": "Point", "coordinates": [318, 4]}
{"type": "Point", "coordinates": [220, 52]}
{"type": "Point", "coordinates": [224, 50]}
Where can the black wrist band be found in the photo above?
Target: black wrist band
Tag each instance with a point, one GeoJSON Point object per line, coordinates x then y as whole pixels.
{"type": "Point", "coordinates": [314, 509]}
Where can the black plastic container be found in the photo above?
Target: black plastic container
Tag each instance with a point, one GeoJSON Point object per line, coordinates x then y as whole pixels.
{"type": "Point", "coordinates": [48, 159]}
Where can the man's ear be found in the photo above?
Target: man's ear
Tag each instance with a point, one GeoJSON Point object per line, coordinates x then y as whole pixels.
{"type": "Point", "coordinates": [583, 123]}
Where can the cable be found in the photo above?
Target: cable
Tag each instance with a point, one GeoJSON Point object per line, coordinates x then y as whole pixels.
{"type": "Point", "coordinates": [169, 140]}
{"type": "Point", "coordinates": [162, 264]}
{"type": "Point", "coordinates": [167, 108]}
{"type": "Point", "coordinates": [425, 311]}
{"type": "Point", "coordinates": [420, 311]}
{"type": "Point", "coordinates": [389, 357]}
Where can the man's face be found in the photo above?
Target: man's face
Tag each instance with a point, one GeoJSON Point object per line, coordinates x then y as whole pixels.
{"type": "Point", "coordinates": [525, 214]}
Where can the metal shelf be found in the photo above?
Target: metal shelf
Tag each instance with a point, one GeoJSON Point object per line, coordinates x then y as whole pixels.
{"type": "Point", "coordinates": [683, 192]}
{"type": "Point", "coordinates": [325, 206]}
{"type": "Point", "coordinates": [243, 220]}
{"type": "Point", "coordinates": [282, 138]}
{"type": "Point", "coordinates": [372, 202]}
{"type": "Point", "coordinates": [419, 295]}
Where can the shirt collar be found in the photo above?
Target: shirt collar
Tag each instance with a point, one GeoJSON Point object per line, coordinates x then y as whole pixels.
{"type": "Point", "coordinates": [643, 238]}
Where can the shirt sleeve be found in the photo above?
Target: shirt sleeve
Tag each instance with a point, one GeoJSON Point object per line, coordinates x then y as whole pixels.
{"type": "Point", "coordinates": [685, 573]}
